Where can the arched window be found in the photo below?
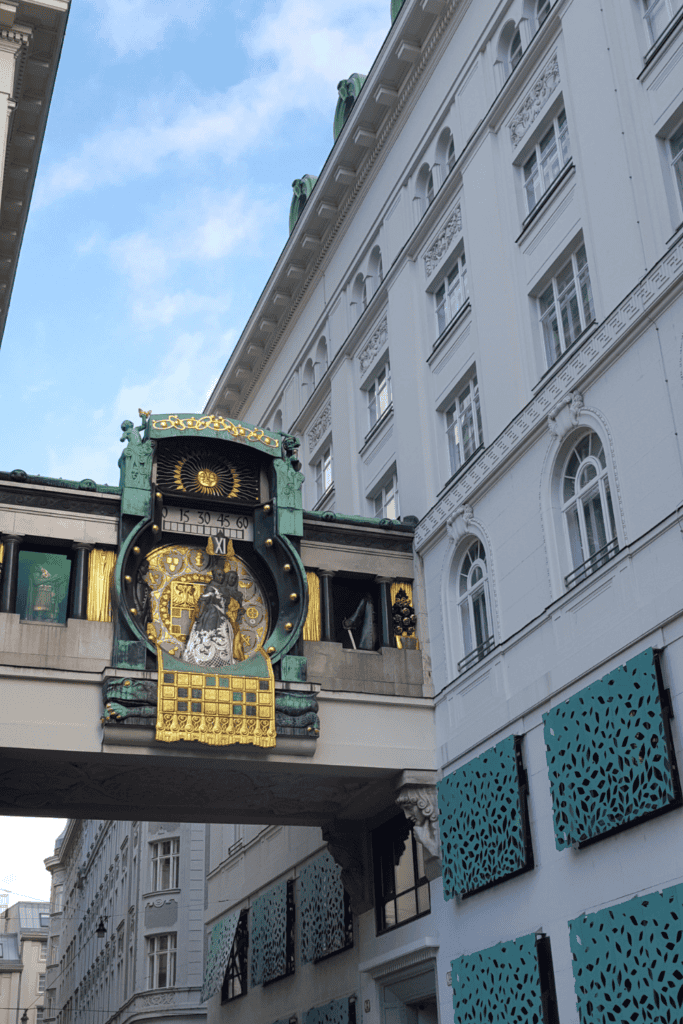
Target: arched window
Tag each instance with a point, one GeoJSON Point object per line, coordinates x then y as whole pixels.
{"type": "Point", "coordinates": [515, 52]}
{"type": "Point", "coordinates": [429, 191]}
{"type": "Point", "coordinates": [474, 605]}
{"type": "Point", "coordinates": [375, 268]}
{"type": "Point", "coordinates": [445, 153]}
{"type": "Point", "coordinates": [587, 508]}
{"type": "Point", "coordinates": [450, 155]}
{"type": "Point", "coordinates": [421, 184]}
{"type": "Point", "coordinates": [321, 360]}
{"type": "Point", "coordinates": [358, 297]}
{"type": "Point", "coordinates": [308, 380]}
{"type": "Point", "coordinates": [542, 11]}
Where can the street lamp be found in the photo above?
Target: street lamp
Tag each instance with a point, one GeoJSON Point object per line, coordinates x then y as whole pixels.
{"type": "Point", "coordinates": [101, 929]}
{"type": "Point", "coordinates": [24, 1017]}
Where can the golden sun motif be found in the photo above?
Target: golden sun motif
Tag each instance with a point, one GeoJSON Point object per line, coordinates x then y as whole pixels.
{"type": "Point", "coordinates": [194, 474]}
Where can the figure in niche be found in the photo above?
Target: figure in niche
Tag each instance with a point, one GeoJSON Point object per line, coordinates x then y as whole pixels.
{"type": "Point", "coordinates": [215, 638]}
{"type": "Point", "coordinates": [404, 620]}
{"type": "Point", "coordinates": [46, 591]}
{"type": "Point", "coordinates": [363, 617]}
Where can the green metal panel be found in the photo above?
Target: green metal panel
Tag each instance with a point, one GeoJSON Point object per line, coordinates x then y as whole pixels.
{"type": "Point", "coordinates": [628, 961]}
{"type": "Point", "coordinates": [499, 984]}
{"type": "Point", "coordinates": [482, 816]}
{"type": "Point", "coordinates": [608, 754]}
{"type": "Point", "coordinates": [339, 1011]}
{"type": "Point", "coordinates": [396, 6]}
{"type": "Point", "coordinates": [322, 909]}
{"type": "Point", "coordinates": [269, 935]}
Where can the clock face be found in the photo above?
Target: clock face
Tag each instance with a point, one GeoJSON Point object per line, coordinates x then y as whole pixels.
{"type": "Point", "coordinates": [177, 576]}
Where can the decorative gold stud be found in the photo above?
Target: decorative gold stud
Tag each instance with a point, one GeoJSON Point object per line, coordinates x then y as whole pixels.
{"type": "Point", "coordinates": [136, 550]}
{"type": "Point", "coordinates": [289, 626]}
{"type": "Point", "coordinates": [155, 528]}
{"type": "Point", "coordinates": [286, 567]}
{"type": "Point", "coordinates": [271, 650]}
{"type": "Point", "coordinates": [128, 579]}
{"type": "Point", "coordinates": [159, 495]}
{"type": "Point", "coordinates": [269, 542]}
{"type": "Point", "coordinates": [133, 611]}
{"type": "Point", "coordinates": [126, 682]}
{"type": "Point", "coordinates": [293, 597]}
{"type": "Point", "coordinates": [267, 509]}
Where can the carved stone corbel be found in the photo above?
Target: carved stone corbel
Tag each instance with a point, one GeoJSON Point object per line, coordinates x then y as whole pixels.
{"type": "Point", "coordinates": [459, 524]}
{"type": "Point", "coordinates": [566, 416]}
{"type": "Point", "coordinates": [416, 796]}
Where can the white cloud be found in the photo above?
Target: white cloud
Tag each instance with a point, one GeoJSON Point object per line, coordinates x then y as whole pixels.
{"type": "Point", "coordinates": [180, 383]}
{"type": "Point", "coordinates": [139, 25]}
{"type": "Point", "coordinates": [300, 53]}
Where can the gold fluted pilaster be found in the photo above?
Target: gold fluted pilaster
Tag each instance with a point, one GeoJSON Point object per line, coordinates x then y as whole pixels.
{"type": "Point", "coordinates": [313, 626]}
{"type": "Point", "coordinates": [100, 578]}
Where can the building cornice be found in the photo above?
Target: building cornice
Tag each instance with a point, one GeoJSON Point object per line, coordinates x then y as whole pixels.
{"type": "Point", "coordinates": [37, 34]}
{"type": "Point", "coordinates": [655, 290]}
{"type": "Point", "coordinates": [390, 84]}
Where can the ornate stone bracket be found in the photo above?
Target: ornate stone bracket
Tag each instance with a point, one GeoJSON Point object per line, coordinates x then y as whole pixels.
{"type": "Point", "coordinates": [460, 524]}
{"type": "Point", "coordinates": [416, 796]}
{"type": "Point", "coordinates": [566, 415]}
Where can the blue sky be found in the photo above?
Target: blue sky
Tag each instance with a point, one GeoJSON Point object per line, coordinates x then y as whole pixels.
{"type": "Point", "coordinates": [161, 204]}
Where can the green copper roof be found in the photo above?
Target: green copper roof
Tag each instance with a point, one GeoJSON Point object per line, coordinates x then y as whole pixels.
{"type": "Point", "coordinates": [396, 6]}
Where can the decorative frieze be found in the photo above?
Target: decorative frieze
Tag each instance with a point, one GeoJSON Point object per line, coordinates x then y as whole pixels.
{"type": "Point", "coordinates": [541, 90]}
{"type": "Point", "coordinates": [586, 355]}
{"type": "Point", "coordinates": [440, 247]}
{"type": "Point", "coordinates": [320, 427]}
{"type": "Point", "coordinates": [374, 345]}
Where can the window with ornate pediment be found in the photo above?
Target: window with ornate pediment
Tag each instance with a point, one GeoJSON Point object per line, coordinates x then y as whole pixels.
{"type": "Point", "coordinates": [474, 605]}
{"type": "Point", "coordinates": [587, 508]}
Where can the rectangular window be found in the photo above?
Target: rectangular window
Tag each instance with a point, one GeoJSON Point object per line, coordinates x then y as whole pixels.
{"type": "Point", "coordinates": [379, 395]}
{"type": "Point", "coordinates": [43, 951]}
{"type": "Point", "coordinates": [323, 474]}
{"type": "Point", "coordinates": [545, 163]}
{"type": "Point", "coordinates": [463, 425]}
{"type": "Point", "coordinates": [161, 959]}
{"type": "Point", "coordinates": [566, 306]}
{"type": "Point", "coordinates": [57, 896]}
{"type": "Point", "coordinates": [385, 502]}
{"type": "Point", "coordinates": [451, 296]}
{"type": "Point", "coordinates": [401, 887]}
{"type": "Point", "coordinates": [165, 864]}
{"type": "Point", "coordinates": [40, 1011]}
{"type": "Point", "coordinates": [676, 143]}
{"type": "Point", "coordinates": [41, 982]}
{"type": "Point", "coordinates": [235, 980]}
{"type": "Point", "coordinates": [658, 14]}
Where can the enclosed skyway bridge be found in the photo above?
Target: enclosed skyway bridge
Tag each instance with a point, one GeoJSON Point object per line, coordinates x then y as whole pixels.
{"type": "Point", "coordinates": [191, 645]}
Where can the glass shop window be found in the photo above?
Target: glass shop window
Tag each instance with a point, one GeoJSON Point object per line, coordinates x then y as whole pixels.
{"type": "Point", "coordinates": [43, 586]}
{"type": "Point", "coordinates": [355, 604]}
{"type": "Point", "coordinates": [401, 886]}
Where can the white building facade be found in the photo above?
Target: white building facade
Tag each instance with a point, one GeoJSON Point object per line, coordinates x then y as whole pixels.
{"type": "Point", "coordinates": [126, 923]}
{"type": "Point", "coordinates": [477, 321]}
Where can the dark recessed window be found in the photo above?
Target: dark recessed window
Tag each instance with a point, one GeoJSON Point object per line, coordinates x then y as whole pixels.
{"type": "Point", "coordinates": [401, 887]}
{"type": "Point", "coordinates": [235, 981]}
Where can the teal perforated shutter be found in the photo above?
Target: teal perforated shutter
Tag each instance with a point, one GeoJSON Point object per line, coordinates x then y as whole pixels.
{"type": "Point", "coordinates": [222, 938]}
{"type": "Point", "coordinates": [608, 752]}
{"type": "Point", "coordinates": [322, 909]}
{"type": "Point", "coordinates": [628, 960]}
{"type": "Point", "coordinates": [483, 821]}
{"type": "Point", "coordinates": [499, 984]}
{"type": "Point", "coordinates": [270, 933]}
{"type": "Point", "coordinates": [339, 1011]}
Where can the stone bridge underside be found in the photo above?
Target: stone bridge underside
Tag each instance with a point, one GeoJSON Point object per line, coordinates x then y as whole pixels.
{"type": "Point", "coordinates": [57, 759]}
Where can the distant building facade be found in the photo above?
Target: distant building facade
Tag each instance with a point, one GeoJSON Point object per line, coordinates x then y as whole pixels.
{"type": "Point", "coordinates": [126, 912]}
{"type": "Point", "coordinates": [24, 931]}
{"type": "Point", "coordinates": [477, 321]}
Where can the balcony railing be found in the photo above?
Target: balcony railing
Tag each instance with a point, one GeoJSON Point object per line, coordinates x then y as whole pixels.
{"type": "Point", "coordinates": [593, 563]}
{"type": "Point", "coordinates": [477, 654]}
